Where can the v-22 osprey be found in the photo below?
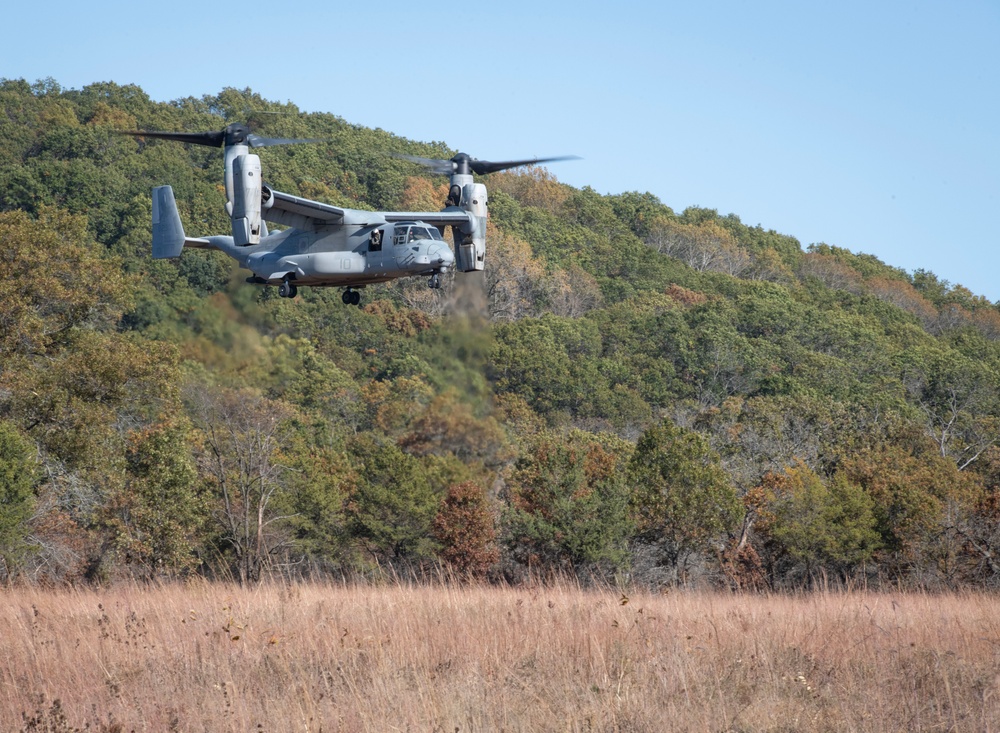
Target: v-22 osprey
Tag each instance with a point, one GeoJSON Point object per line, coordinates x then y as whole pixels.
{"type": "Point", "coordinates": [328, 245]}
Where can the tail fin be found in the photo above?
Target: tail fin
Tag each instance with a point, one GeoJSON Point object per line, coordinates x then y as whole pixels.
{"type": "Point", "coordinates": [168, 233]}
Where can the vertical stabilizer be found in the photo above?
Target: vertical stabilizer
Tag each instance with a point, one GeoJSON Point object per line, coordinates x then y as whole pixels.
{"type": "Point", "coordinates": [168, 234]}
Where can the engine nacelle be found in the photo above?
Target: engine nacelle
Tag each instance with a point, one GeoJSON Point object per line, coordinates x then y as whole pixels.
{"type": "Point", "coordinates": [246, 200]}
{"type": "Point", "coordinates": [470, 247]}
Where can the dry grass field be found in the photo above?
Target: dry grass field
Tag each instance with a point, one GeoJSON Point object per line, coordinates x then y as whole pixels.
{"type": "Point", "coordinates": [204, 657]}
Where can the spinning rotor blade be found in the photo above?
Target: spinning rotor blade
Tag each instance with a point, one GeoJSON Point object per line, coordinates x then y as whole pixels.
{"type": "Point", "coordinates": [235, 134]}
{"type": "Point", "coordinates": [265, 142]}
{"type": "Point", "coordinates": [440, 167]}
{"type": "Point", "coordinates": [462, 163]}
{"type": "Point", "coordinates": [209, 139]}
{"type": "Point", "coordinates": [486, 166]}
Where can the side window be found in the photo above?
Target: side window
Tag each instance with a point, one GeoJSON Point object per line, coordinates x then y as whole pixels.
{"type": "Point", "coordinates": [375, 241]}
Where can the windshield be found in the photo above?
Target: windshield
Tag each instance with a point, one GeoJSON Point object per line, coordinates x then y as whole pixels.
{"type": "Point", "coordinates": [413, 233]}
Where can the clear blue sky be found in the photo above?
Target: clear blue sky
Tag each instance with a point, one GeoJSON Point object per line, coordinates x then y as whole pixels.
{"type": "Point", "coordinates": [870, 126]}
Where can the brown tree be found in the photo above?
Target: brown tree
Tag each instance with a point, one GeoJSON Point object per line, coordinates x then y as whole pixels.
{"type": "Point", "coordinates": [532, 186]}
{"type": "Point", "coordinates": [515, 280]}
{"type": "Point", "coordinates": [243, 434]}
{"type": "Point", "coordinates": [705, 247]}
{"type": "Point", "coordinates": [466, 528]}
{"type": "Point", "coordinates": [422, 195]}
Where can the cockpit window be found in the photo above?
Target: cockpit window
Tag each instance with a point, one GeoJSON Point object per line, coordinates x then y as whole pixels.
{"type": "Point", "coordinates": [405, 235]}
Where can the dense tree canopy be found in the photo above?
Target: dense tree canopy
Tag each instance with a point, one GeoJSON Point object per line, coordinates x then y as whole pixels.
{"type": "Point", "coordinates": [627, 388]}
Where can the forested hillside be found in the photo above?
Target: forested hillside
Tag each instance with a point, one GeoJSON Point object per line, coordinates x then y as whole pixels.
{"type": "Point", "coordinates": [630, 392]}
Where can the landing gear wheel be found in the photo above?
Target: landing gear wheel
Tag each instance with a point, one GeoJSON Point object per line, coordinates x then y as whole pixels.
{"type": "Point", "coordinates": [435, 281]}
{"type": "Point", "coordinates": [287, 290]}
{"type": "Point", "coordinates": [351, 297]}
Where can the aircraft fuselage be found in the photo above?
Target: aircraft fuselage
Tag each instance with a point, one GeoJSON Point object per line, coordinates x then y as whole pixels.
{"type": "Point", "coordinates": [349, 255]}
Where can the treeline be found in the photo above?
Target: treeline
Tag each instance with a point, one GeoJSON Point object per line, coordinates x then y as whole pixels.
{"type": "Point", "coordinates": [629, 392]}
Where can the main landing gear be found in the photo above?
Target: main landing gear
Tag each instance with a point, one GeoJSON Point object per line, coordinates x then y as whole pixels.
{"type": "Point", "coordinates": [287, 289]}
{"type": "Point", "coordinates": [351, 297]}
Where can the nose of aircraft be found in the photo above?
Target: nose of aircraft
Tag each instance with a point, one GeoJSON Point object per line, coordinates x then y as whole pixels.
{"type": "Point", "coordinates": [443, 254]}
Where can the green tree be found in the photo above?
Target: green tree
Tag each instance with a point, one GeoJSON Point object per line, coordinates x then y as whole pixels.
{"type": "Point", "coordinates": [53, 280]}
{"type": "Point", "coordinates": [957, 396]}
{"type": "Point", "coordinates": [18, 475]}
{"type": "Point", "coordinates": [818, 524]}
{"type": "Point", "coordinates": [681, 501]}
{"type": "Point", "coordinates": [157, 516]}
{"type": "Point", "coordinates": [317, 485]}
{"type": "Point", "coordinates": [915, 493]}
{"type": "Point", "coordinates": [390, 510]}
{"type": "Point", "coordinates": [553, 363]}
{"type": "Point", "coordinates": [567, 503]}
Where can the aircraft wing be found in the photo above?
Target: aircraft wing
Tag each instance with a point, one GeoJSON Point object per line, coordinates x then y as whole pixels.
{"type": "Point", "coordinates": [284, 208]}
{"type": "Point", "coordinates": [453, 216]}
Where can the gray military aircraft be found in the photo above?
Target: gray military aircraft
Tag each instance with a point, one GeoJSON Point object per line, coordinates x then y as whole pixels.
{"type": "Point", "coordinates": [328, 245]}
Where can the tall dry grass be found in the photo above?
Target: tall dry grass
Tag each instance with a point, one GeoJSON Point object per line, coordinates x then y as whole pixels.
{"type": "Point", "coordinates": [205, 657]}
